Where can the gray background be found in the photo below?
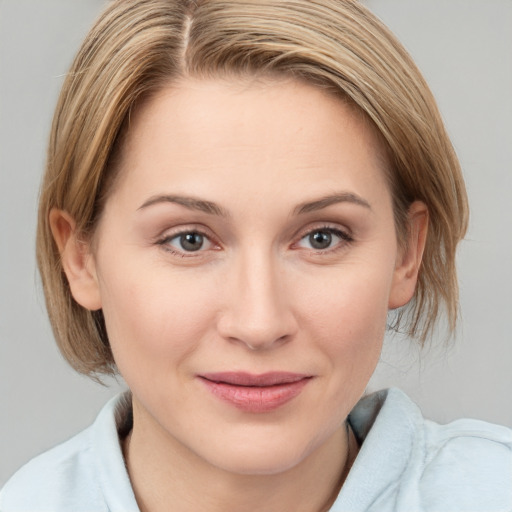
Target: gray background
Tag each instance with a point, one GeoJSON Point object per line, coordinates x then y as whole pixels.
{"type": "Point", "coordinates": [464, 48]}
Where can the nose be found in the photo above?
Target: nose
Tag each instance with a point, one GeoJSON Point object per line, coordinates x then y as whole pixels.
{"type": "Point", "coordinates": [258, 311]}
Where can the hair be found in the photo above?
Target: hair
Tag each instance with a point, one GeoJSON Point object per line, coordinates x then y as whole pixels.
{"type": "Point", "coordinates": [138, 47]}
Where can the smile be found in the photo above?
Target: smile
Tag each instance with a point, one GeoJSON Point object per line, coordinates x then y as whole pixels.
{"type": "Point", "coordinates": [255, 393]}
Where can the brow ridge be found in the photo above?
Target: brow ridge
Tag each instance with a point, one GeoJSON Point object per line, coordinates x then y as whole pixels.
{"type": "Point", "coordinates": [324, 202]}
{"type": "Point", "coordinates": [188, 202]}
{"type": "Point", "coordinates": [212, 208]}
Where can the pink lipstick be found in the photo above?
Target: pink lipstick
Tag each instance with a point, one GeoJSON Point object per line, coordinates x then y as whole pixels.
{"type": "Point", "coordinates": [255, 393]}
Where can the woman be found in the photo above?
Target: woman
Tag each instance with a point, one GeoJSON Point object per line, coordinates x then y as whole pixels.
{"type": "Point", "coordinates": [237, 195]}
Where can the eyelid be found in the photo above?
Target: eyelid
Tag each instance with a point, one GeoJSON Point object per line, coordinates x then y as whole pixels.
{"type": "Point", "coordinates": [170, 234]}
{"type": "Point", "coordinates": [162, 240]}
{"type": "Point", "coordinates": [344, 234]}
{"type": "Point", "coordinates": [324, 226]}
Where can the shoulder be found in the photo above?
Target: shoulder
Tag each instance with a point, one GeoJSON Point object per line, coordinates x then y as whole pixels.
{"type": "Point", "coordinates": [86, 473]}
{"type": "Point", "coordinates": [467, 462]}
{"type": "Point", "coordinates": [60, 479]}
{"type": "Point", "coordinates": [409, 463]}
{"type": "Point", "coordinates": [462, 466]}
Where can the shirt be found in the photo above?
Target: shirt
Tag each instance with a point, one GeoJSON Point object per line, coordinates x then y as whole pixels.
{"type": "Point", "coordinates": [405, 464]}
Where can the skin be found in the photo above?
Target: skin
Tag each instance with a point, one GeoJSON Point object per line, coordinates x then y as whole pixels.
{"type": "Point", "coordinates": [257, 296]}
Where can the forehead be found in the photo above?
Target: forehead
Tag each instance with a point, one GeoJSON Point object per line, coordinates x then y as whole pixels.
{"type": "Point", "coordinates": [245, 133]}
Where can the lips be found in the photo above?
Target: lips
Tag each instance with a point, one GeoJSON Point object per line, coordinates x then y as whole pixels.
{"type": "Point", "coordinates": [255, 393]}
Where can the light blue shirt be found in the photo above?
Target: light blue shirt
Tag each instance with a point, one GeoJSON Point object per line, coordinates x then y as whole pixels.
{"type": "Point", "coordinates": [405, 464]}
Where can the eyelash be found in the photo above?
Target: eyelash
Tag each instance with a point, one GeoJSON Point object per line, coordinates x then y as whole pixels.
{"type": "Point", "coordinates": [345, 239]}
{"type": "Point", "coordinates": [164, 242]}
{"type": "Point", "coordinates": [344, 236]}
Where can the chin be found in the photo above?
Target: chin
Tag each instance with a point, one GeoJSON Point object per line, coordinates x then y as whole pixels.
{"type": "Point", "coordinates": [271, 454]}
{"type": "Point", "coordinates": [267, 462]}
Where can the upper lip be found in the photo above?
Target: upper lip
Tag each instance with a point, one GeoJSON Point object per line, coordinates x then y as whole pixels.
{"type": "Point", "coordinates": [255, 380]}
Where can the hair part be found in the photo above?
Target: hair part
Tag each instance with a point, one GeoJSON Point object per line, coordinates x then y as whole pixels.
{"type": "Point", "coordinates": [138, 47]}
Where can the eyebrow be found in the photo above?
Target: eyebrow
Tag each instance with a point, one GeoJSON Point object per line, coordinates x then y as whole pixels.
{"type": "Point", "coordinates": [324, 202]}
{"type": "Point", "coordinates": [214, 209]}
{"type": "Point", "coordinates": [188, 202]}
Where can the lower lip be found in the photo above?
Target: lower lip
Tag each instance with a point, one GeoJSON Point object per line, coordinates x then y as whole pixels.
{"type": "Point", "coordinates": [256, 399]}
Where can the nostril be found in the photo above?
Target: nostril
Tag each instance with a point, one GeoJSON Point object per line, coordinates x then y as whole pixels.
{"type": "Point", "coordinates": [264, 343]}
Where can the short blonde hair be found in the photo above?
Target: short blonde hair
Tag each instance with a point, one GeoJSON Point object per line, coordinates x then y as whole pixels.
{"type": "Point", "coordinates": [140, 46]}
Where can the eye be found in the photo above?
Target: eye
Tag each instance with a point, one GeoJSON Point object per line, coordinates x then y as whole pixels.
{"type": "Point", "coordinates": [324, 239]}
{"type": "Point", "coordinates": [186, 242]}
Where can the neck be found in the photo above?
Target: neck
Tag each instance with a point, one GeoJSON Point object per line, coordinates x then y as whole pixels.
{"type": "Point", "coordinates": [164, 474]}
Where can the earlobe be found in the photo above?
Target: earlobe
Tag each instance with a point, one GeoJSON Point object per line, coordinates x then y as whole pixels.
{"type": "Point", "coordinates": [409, 260]}
{"type": "Point", "coordinates": [77, 260]}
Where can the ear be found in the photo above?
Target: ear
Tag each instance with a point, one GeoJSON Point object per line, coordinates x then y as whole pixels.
{"type": "Point", "coordinates": [77, 260]}
{"type": "Point", "coordinates": [409, 258]}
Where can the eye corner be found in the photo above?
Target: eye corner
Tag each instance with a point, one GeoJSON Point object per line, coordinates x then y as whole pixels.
{"type": "Point", "coordinates": [187, 242]}
{"type": "Point", "coordinates": [329, 239]}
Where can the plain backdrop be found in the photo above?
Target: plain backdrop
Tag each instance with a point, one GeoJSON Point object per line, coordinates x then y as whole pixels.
{"type": "Point", "coordinates": [464, 48]}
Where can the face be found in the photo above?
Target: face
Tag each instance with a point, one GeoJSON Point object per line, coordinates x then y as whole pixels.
{"type": "Point", "coordinates": [245, 263]}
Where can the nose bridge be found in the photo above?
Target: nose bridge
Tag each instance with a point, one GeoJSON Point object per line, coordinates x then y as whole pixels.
{"type": "Point", "coordinates": [258, 314]}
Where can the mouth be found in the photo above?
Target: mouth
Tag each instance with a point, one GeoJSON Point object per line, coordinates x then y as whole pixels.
{"type": "Point", "coordinates": [255, 393]}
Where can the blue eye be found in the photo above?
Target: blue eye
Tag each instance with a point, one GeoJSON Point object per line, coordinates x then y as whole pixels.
{"type": "Point", "coordinates": [324, 239]}
{"type": "Point", "coordinates": [190, 241]}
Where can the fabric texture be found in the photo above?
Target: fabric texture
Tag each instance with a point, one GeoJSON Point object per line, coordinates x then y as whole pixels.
{"type": "Point", "coordinates": [405, 464]}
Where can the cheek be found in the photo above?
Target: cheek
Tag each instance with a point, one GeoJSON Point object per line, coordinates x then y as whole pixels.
{"type": "Point", "coordinates": [344, 320]}
{"type": "Point", "coordinates": [354, 298]}
{"type": "Point", "coordinates": [348, 314]}
{"type": "Point", "coordinates": [153, 318]}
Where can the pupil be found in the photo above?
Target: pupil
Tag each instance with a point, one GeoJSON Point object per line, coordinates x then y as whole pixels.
{"type": "Point", "coordinates": [191, 241]}
{"type": "Point", "coordinates": [320, 239]}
